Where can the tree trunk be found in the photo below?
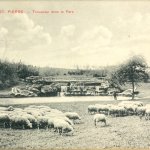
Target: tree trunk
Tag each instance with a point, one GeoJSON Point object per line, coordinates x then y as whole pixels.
{"type": "Point", "coordinates": [133, 90]}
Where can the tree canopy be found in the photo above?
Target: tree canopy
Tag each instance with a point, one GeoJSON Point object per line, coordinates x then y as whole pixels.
{"type": "Point", "coordinates": [132, 71]}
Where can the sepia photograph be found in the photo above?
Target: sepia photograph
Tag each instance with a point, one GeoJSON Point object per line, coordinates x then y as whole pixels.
{"type": "Point", "coordinates": [74, 74]}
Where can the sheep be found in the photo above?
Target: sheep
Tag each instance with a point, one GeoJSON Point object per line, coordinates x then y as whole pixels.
{"type": "Point", "coordinates": [92, 109]}
{"type": "Point", "coordinates": [115, 110]}
{"type": "Point", "coordinates": [59, 116]}
{"type": "Point", "coordinates": [138, 103]}
{"type": "Point", "coordinates": [42, 122]}
{"type": "Point", "coordinates": [36, 113]}
{"type": "Point", "coordinates": [32, 119]}
{"type": "Point", "coordinates": [4, 119]}
{"type": "Point", "coordinates": [45, 122]}
{"type": "Point", "coordinates": [147, 114]}
{"type": "Point", "coordinates": [131, 109]}
{"type": "Point", "coordinates": [62, 126]}
{"type": "Point", "coordinates": [102, 108]}
{"type": "Point", "coordinates": [51, 123]}
{"type": "Point", "coordinates": [99, 118]}
{"type": "Point", "coordinates": [73, 116]}
{"type": "Point", "coordinates": [140, 111]}
{"type": "Point", "coordinates": [17, 121]}
{"type": "Point", "coordinates": [121, 111]}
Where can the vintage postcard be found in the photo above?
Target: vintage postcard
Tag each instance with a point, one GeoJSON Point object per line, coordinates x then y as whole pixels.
{"type": "Point", "coordinates": [74, 74]}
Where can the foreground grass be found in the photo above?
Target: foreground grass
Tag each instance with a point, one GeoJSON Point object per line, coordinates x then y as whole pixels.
{"type": "Point", "coordinates": [129, 132]}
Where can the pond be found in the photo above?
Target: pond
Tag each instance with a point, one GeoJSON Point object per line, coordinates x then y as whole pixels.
{"type": "Point", "coordinates": [40, 100]}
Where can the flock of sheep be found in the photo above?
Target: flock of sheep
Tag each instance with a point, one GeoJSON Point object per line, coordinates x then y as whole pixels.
{"type": "Point", "coordinates": [44, 117]}
{"type": "Point", "coordinates": [124, 108]}
{"type": "Point", "coordinates": [40, 117]}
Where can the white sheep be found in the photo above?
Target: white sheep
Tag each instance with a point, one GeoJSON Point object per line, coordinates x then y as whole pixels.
{"type": "Point", "coordinates": [102, 108]}
{"type": "Point", "coordinates": [99, 118]}
{"type": "Point", "coordinates": [117, 111]}
{"type": "Point", "coordinates": [131, 109]}
{"type": "Point", "coordinates": [62, 126]}
{"type": "Point", "coordinates": [92, 109]}
{"type": "Point", "coordinates": [140, 111]}
{"type": "Point", "coordinates": [73, 116]}
{"type": "Point", "coordinates": [18, 121]}
{"type": "Point", "coordinates": [42, 122]}
{"type": "Point", "coordinates": [35, 112]}
{"type": "Point", "coordinates": [32, 119]}
{"type": "Point", "coordinates": [59, 116]}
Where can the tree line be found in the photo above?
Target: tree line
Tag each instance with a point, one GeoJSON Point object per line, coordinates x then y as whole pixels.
{"type": "Point", "coordinates": [12, 73]}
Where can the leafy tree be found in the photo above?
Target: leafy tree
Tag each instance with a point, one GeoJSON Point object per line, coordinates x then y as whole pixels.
{"type": "Point", "coordinates": [24, 71]}
{"type": "Point", "coordinates": [133, 71]}
{"type": "Point", "coordinates": [11, 72]}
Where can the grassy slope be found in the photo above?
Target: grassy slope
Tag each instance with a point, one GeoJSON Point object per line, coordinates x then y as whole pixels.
{"type": "Point", "coordinates": [120, 132]}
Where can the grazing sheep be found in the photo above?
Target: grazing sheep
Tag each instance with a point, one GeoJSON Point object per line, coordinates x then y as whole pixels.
{"type": "Point", "coordinates": [51, 123]}
{"type": "Point", "coordinates": [140, 111]}
{"type": "Point", "coordinates": [19, 121]}
{"type": "Point", "coordinates": [131, 105]}
{"type": "Point", "coordinates": [121, 111]}
{"type": "Point", "coordinates": [131, 109]}
{"type": "Point", "coordinates": [42, 122]}
{"type": "Point", "coordinates": [36, 113]}
{"type": "Point", "coordinates": [117, 111]}
{"type": "Point", "coordinates": [67, 120]}
{"type": "Point", "coordinates": [99, 118]}
{"type": "Point", "coordinates": [92, 109]}
{"type": "Point", "coordinates": [73, 116]}
{"type": "Point", "coordinates": [62, 126]}
{"type": "Point", "coordinates": [32, 120]}
{"type": "Point", "coordinates": [102, 108]}
{"type": "Point", "coordinates": [59, 116]}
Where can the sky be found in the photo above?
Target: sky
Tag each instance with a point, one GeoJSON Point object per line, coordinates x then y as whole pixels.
{"type": "Point", "coordinates": [81, 33]}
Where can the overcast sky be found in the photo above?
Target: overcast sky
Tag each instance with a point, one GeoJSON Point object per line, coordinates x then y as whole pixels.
{"type": "Point", "coordinates": [98, 33]}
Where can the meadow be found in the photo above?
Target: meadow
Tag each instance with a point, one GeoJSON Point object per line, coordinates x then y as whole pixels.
{"type": "Point", "coordinates": [121, 132]}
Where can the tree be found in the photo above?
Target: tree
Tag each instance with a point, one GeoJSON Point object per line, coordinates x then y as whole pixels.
{"type": "Point", "coordinates": [133, 71]}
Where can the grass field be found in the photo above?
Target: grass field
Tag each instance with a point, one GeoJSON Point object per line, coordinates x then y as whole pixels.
{"type": "Point", "coordinates": [129, 132]}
